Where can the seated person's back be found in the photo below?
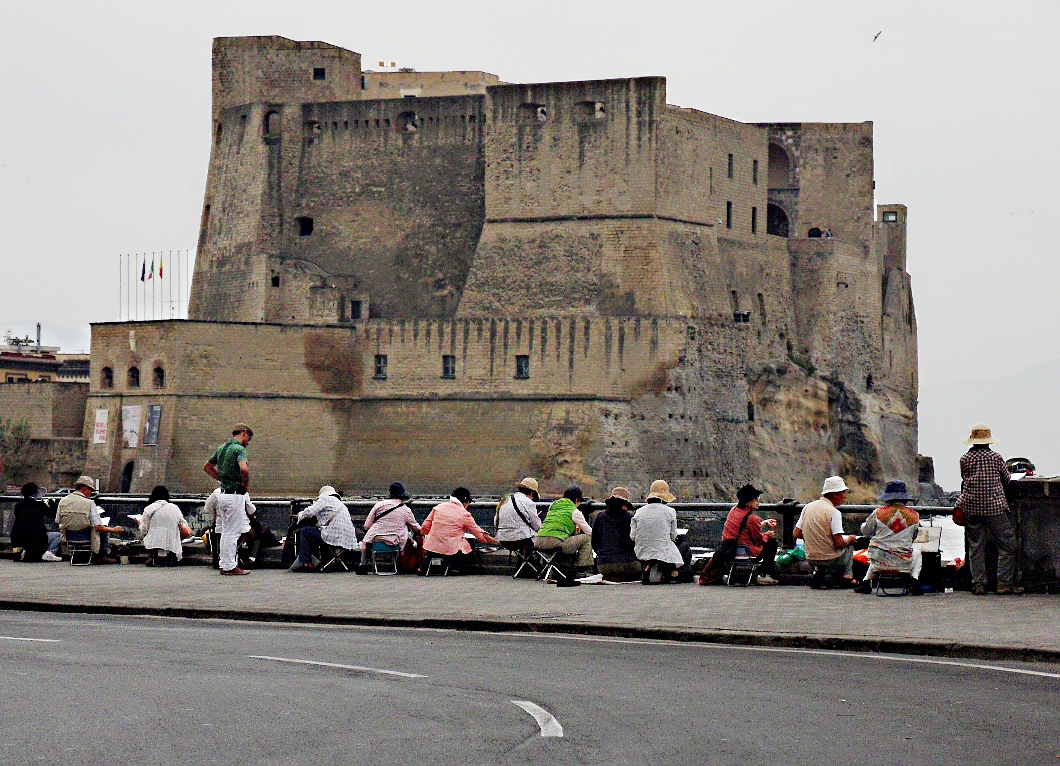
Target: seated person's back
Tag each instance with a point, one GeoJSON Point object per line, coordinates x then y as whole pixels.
{"type": "Point", "coordinates": [163, 526]}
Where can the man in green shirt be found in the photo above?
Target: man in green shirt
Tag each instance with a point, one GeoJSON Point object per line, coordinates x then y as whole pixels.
{"type": "Point", "coordinates": [228, 465]}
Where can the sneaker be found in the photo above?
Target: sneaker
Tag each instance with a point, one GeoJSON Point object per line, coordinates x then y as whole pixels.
{"type": "Point", "coordinates": [767, 580]}
{"type": "Point", "coordinates": [296, 567]}
{"type": "Point", "coordinates": [49, 556]}
{"type": "Point", "coordinates": [978, 590]}
{"type": "Point", "coordinates": [234, 571]}
{"type": "Point", "coordinates": [104, 560]}
{"type": "Point", "coordinates": [1018, 590]}
{"type": "Point", "coordinates": [1004, 591]}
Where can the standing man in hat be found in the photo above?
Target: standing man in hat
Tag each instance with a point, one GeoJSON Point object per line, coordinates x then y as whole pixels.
{"type": "Point", "coordinates": [228, 465]}
{"type": "Point", "coordinates": [78, 513]}
{"type": "Point", "coordinates": [982, 499]}
{"type": "Point", "coordinates": [821, 526]}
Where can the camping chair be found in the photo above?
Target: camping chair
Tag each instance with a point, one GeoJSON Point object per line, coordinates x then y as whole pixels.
{"type": "Point", "coordinates": [550, 566]}
{"type": "Point", "coordinates": [742, 562]}
{"type": "Point", "coordinates": [80, 546]}
{"type": "Point", "coordinates": [436, 561]}
{"type": "Point", "coordinates": [889, 582]}
{"type": "Point", "coordinates": [387, 555]}
{"type": "Point", "coordinates": [336, 552]}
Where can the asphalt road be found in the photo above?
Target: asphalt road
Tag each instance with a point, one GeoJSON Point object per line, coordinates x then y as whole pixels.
{"type": "Point", "coordinates": [167, 691]}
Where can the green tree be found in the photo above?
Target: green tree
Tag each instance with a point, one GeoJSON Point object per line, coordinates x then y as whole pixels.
{"type": "Point", "coordinates": [20, 457]}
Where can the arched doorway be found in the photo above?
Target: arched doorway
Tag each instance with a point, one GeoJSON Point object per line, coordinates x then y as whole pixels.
{"type": "Point", "coordinates": [779, 168]}
{"type": "Point", "coordinates": [776, 221]}
{"type": "Point", "coordinates": [127, 477]}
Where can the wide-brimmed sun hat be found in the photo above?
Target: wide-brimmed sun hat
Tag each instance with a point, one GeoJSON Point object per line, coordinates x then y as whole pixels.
{"type": "Point", "coordinates": [328, 491]}
{"type": "Point", "coordinates": [85, 481]}
{"type": "Point", "coordinates": [895, 490]}
{"type": "Point", "coordinates": [621, 493]}
{"type": "Point", "coordinates": [834, 484]}
{"type": "Point", "coordinates": [661, 490]}
{"type": "Point", "coordinates": [981, 435]}
{"type": "Point", "coordinates": [528, 484]}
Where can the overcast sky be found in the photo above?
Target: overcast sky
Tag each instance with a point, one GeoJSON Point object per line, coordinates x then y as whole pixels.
{"type": "Point", "coordinates": [104, 140]}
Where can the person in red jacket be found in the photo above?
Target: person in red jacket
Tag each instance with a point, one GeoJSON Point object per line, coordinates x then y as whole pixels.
{"type": "Point", "coordinates": [749, 534]}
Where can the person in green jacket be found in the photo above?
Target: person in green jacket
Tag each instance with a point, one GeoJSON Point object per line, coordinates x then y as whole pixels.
{"type": "Point", "coordinates": [565, 528]}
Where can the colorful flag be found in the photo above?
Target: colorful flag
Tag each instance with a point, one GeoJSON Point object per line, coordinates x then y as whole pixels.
{"type": "Point", "coordinates": [160, 267]}
{"type": "Point", "coordinates": [143, 270]}
{"type": "Point", "coordinates": [152, 274]}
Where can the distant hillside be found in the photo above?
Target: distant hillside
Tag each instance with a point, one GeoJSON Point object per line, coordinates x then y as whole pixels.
{"type": "Point", "coordinates": [1023, 410]}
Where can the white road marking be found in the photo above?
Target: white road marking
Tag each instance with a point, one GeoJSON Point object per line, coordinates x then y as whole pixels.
{"type": "Point", "coordinates": [792, 650]}
{"type": "Point", "coordinates": [547, 722]}
{"type": "Point", "coordinates": [336, 665]}
{"type": "Point", "coordinates": [41, 640]}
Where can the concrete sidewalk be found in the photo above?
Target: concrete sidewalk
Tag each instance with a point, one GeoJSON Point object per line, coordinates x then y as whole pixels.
{"type": "Point", "coordinates": [990, 627]}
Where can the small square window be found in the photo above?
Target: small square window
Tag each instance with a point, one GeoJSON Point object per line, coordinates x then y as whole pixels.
{"type": "Point", "coordinates": [890, 216]}
{"type": "Point", "coordinates": [305, 226]}
{"type": "Point", "coordinates": [275, 280]}
{"type": "Point", "coordinates": [448, 366]}
{"type": "Point", "coordinates": [380, 367]}
{"type": "Point", "coordinates": [522, 366]}
{"type": "Point", "coordinates": [320, 73]}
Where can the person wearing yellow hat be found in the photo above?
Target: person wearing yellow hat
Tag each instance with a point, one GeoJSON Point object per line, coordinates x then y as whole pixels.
{"type": "Point", "coordinates": [516, 518]}
{"type": "Point", "coordinates": [654, 533]}
{"type": "Point", "coordinates": [985, 508]}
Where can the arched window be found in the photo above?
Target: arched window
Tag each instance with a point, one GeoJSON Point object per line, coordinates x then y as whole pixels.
{"type": "Point", "coordinates": [272, 126]}
{"type": "Point", "coordinates": [776, 221]}
{"type": "Point", "coordinates": [134, 377]}
{"type": "Point", "coordinates": [158, 377]}
{"type": "Point", "coordinates": [779, 168]}
{"type": "Point", "coordinates": [814, 233]}
{"type": "Point", "coordinates": [106, 378]}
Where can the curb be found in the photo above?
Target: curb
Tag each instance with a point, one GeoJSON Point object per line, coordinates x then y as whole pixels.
{"type": "Point", "coordinates": [685, 635]}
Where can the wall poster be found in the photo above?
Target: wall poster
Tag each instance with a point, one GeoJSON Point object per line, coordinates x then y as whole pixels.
{"type": "Point", "coordinates": [99, 431]}
{"type": "Point", "coordinates": [154, 418]}
{"type": "Point", "coordinates": [130, 425]}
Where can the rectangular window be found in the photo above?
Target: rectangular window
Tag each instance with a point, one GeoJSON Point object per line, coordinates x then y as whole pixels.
{"type": "Point", "coordinates": [522, 366]}
{"type": "Point", "coordinates": [380, 367]}
{"type": "Point", "coordinates": [754, 220]}
{"type": "Point", "coordinates": [319, 73]}
{"type": "Point", "coordinates": [448, 366]}
{"type": "Point", "coordinates": [728, 215]}
{"type": "Point", "coordinates": [355, 310]}
{"type": "Point", "coordinates": [890, 216]}
{"type": "Point", "coordinates": [732, 167]}
{"type": "Point", "coordinates": [754, 172]}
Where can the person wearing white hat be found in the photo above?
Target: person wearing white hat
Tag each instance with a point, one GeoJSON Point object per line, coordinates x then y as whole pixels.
{"type": "Point", "coordinates": [334, 527]}
{"type": "Point", "coordinates": [821, 527]}
{"type": "Point", "coordinates": [985, 508]}
{"type": "Point", "coordinates": [77, 513]}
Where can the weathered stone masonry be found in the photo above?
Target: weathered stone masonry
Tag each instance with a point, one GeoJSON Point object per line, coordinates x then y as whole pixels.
{"type": "Point", "coordinates": [575, 280]}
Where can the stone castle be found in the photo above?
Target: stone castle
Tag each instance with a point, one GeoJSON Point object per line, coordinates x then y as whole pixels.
{"type": "Point", "coordinates": [444, 278]}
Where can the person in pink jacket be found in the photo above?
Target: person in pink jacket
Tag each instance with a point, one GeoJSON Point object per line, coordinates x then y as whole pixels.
{"type": "Point", "coordinates": [445, 527]}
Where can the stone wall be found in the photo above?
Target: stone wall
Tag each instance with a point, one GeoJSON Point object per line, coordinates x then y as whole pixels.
{"type": "Point", "coordinates": [50, 409]}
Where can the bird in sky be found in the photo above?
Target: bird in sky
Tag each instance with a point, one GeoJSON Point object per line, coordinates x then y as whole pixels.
{"type": "Point", "coordinates": [877, 35]}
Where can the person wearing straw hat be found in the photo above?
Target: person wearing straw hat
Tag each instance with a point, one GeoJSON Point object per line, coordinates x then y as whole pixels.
{"type": "Point", "coordinates": [891, 531]}
{"type": "Point", "coordinates": [985, 508]}
{"type": "Point", "coordinates": [516, 519]}
{"type": "Point", "coordinates": [821, 526]}
{"type": "Point", "coordinates": [77, 512]}
{"type": "Point", "coordinates": [654, 534]}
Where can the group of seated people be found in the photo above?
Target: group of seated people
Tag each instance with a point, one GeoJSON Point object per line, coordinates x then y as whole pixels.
{"type": "Point", "coordinates": [619, 543]}
{"type": "Point", "coordinates": [628, 546]}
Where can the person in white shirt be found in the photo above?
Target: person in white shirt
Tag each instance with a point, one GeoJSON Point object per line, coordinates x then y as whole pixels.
{"type": "Point", "coordinates": [164, 526]}
{"type": "Point", "coordinates": [334, 528]}
{"type": "Point", "coordinates": [516, 520]}
{"type": "Point", "coordinates": [821, 527]}
{"type": "Point", "coordinates": [654, 534]}
{"type": "Point", "coordinates": [213, 518]}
